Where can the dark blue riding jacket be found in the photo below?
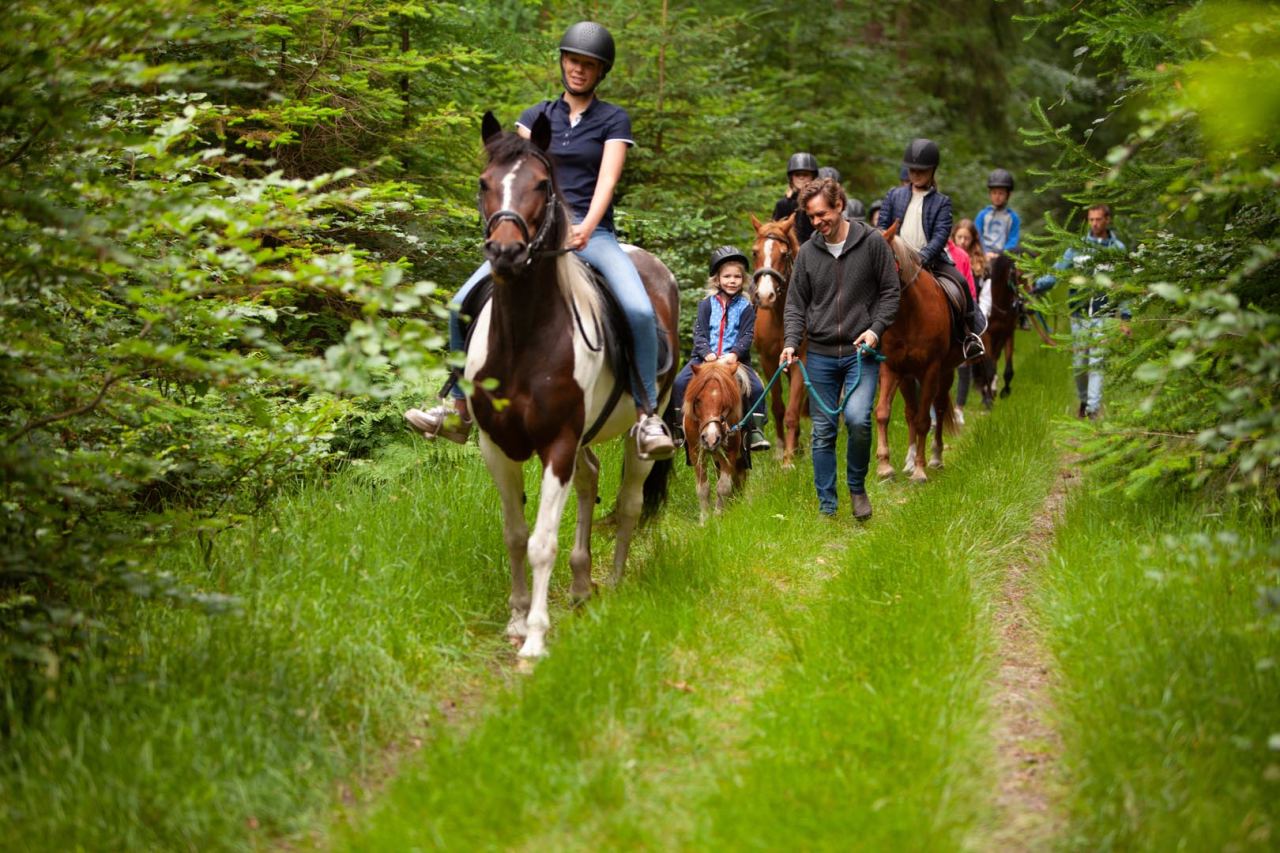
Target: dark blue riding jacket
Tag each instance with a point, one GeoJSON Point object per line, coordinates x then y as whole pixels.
{"type": "Point", "coordinates": [936, 218]}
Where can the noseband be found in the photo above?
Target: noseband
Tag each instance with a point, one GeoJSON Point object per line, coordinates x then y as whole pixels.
{"type": "Point", "coordinates": [770, 271]}
{"type": "Point", "coordinates": [536, 244]}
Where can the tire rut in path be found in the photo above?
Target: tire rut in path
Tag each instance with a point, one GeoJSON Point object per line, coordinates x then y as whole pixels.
{"type": "Point", "coordinates": [1027, 746]}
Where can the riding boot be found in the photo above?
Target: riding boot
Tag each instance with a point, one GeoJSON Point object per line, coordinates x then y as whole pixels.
{"type": "Point", "coordinates": [676, 425]}
{"type": "Point", "coordinates": [972, 346]}
{"type": "Point", "coordinates": [755, 432]}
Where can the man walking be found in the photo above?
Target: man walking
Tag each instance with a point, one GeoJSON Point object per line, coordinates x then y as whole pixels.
{"type": "Point", "coordinates": [843, 295]}
{"type": "Point", "coordinates": [1090, 305]}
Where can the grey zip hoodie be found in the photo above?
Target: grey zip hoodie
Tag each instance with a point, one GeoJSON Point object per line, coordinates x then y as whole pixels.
{"type": "Point", "coordinates": [834, 300]}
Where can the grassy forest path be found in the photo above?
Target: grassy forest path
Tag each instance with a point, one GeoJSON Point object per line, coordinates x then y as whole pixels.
{"type": "Point", "coordinates": [768, 676]}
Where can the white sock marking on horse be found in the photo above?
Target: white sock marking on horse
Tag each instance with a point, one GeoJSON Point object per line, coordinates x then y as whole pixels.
{"type": "Point", "coordinates": [507, 180]}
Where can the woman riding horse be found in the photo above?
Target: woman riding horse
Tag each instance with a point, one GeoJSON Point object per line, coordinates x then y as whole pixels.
{"type": "Point", "coordinates": [589, 145]}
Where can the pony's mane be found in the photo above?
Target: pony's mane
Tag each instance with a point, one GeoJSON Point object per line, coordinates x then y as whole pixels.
{"type": "Point", "coordinates": [721, 376]}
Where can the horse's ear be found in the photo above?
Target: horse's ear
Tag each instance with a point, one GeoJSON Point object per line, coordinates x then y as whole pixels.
{"type": "Point", "coordinates": [755, 223]}
{"type": "Point", "coordinates": [540, 133]}
{"type": "Point", "coordinates": [696, 366]}
{"type": "Point", "coordinates": [789, 222]}
{"type": "Point", "coordinates": [489, 126]}
{"type": "Point", "coordinates": [892, 230]}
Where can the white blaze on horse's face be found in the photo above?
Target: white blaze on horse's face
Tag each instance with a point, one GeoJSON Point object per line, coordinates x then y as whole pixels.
{"type": "Point", "coordinates": [766, 292]}
{"type": "Point", "coordinates": [507, 181]}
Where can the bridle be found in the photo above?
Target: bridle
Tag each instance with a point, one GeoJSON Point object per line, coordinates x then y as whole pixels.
{"type": "Point", "coordinates": [770, 271]}
{"type": "Point", "coordinates": [536, 243]}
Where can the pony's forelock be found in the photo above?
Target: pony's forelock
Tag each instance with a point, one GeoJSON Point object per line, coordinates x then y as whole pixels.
{"type": "Point", "coordinates": [720, 375]}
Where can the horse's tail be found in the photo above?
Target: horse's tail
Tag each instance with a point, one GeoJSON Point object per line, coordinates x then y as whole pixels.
{"type": "Point", "coordinates": [946, 413]}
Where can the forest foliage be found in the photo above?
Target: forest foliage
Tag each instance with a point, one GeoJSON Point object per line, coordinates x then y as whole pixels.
{"type": "Point", "coordinates": [230, 229]}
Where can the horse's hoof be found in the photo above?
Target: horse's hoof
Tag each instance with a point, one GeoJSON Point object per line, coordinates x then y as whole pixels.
{"type": "Point", "coordinates": [919, 478]}
{"type": "Point", "coordinates": [1005, 392]}
{"type": "Point", "coordinates": [935, 463]}
{"type": "Point", "coordinates": [532, 649]}
{"type": "Point", "coordinates": [517, 629]}
{"type": "Point", "coordinates": [885, 472]}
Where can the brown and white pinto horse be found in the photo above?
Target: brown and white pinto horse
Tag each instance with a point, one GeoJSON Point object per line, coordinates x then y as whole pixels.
{"type": "Point", "coordinates": [774, 255]}
{"type": "Point", "coordinates": [712, 406]}
{"type": "Point", "coordinates": [1006, 307]}
{"type": "Point", "coordinates": [921, 356]}
{"type": "Point", "coordinates": [538, 345]}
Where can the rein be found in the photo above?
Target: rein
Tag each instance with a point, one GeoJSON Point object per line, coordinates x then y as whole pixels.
{"type": "Point", "coordinates": [863, 350]}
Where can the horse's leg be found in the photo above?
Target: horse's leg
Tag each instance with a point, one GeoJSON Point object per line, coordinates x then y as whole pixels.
{"type": "Point", "coordinates": [586, 482]}
{"type": "Point", "coordinates": [884, 407]}
{"type": "Point", "coordinates": [704, 487]}
{"type": "Point", "coordinates": [917, 401]}
{"type": "Point", "coordinates": [508, 478]}
{"type": "Point", "coordinates": [769, 362]}
{"type": "Point", "coordinates": [630, 502]}
{"type": "Point", "coordinates": [543, 543]}
{"type": "Point", "coordinates": [946, 418]}
{"type": "Point", "coordinates": [1008, 367]}
{"type": "Point", "coordinates": [791, 418]}
{"type": "Point", "coordinates": [724, 483]}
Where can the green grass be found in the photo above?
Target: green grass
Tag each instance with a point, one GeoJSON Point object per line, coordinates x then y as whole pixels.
{"type": "Point", "coordinates": [1169, 689]}
{"type": "Point", "coordinates": [361, 597]}
{"type": "Point", "coordinates": [766, 681]}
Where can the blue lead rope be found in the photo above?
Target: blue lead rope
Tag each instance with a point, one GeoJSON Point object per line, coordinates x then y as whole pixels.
{"type": "Point", "coordinates": [863, 349]}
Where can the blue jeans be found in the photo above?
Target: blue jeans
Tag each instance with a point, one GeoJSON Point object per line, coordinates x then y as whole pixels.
{"type": "Point", "coordinates": [1086, 360]}
{"type": "Point", "coordinates": [603, 253]}
{"type": "Point", "coordinates": [831, 377]}
{"type": "Point", "coordinates": [753, 381]}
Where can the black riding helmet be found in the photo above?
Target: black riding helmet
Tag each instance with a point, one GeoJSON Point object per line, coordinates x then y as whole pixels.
{"type": "Point", "coordinates": [724, 254]}
{"type": "Point", "coordinates": [588, 39]}
{"type": "Point", "coordinates": [921, 154]}
{"type": "Point", "coordinates": [854, 210]}
{"type": "Point", "coordinates": [802, 161]}
{"type": "Point", "coordinates": [1000, 178]}
{"type": "Point", "coordinates": [829, 172]}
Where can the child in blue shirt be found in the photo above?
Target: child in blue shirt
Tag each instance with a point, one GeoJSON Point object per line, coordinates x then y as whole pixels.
{"type": "Point", "coordinates": [998, 225]}
{"type": "Point", "coordinates": [723, 330]}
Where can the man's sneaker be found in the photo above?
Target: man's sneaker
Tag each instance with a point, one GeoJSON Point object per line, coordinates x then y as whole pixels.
{"type": "Point", "coordinates": [972, 347]}
{"type": "Point", "coordinates": [755, 433]}
{"type": "Point", "coordinates": [653, 439]}
{"type": "Point", "coordinates": [861, 506]}
{"type": "Point", "coordinates": [1082, 411]}
{"type": "Point", "coordinates": [441, 421]}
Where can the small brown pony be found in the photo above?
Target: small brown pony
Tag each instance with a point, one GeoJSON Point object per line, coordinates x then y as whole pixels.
{"type": "Point", "coordinates": [774, 255]}
{"type": "Point", "coordinates": [921, 356]}
{"type": "Point", "coordinates": [712, 406]}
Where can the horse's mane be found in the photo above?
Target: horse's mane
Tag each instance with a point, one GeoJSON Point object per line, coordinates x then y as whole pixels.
{"type": "Point", "coordinates": [719, 375]}
{"type": "Point", "coordinates": [908, 258]}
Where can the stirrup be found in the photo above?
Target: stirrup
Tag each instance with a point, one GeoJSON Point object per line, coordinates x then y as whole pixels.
{"type": "Point", "coordinates": [972, 347]}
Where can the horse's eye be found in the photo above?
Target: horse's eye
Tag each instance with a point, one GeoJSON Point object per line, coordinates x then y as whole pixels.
{"type": "Point", "coordinates": [484, 185]}
{"type": "Point", "coordinates": [544, 185]}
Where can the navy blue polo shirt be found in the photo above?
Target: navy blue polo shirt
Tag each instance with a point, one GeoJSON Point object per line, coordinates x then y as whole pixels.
{"type": "Point", "coordinates": [576, 151]}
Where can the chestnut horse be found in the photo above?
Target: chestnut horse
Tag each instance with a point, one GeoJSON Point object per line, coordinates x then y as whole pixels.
{"type": "Point", "coordinates": [712, 407]}
{"type": "Point", "coordinates": [1006, 309]}
{"type": "Point", "coordinates": [921, 356]}
{"type": "Point", "coordinates": [537, 345]}
{"type": "Point", "coordinates": [774, 254]}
